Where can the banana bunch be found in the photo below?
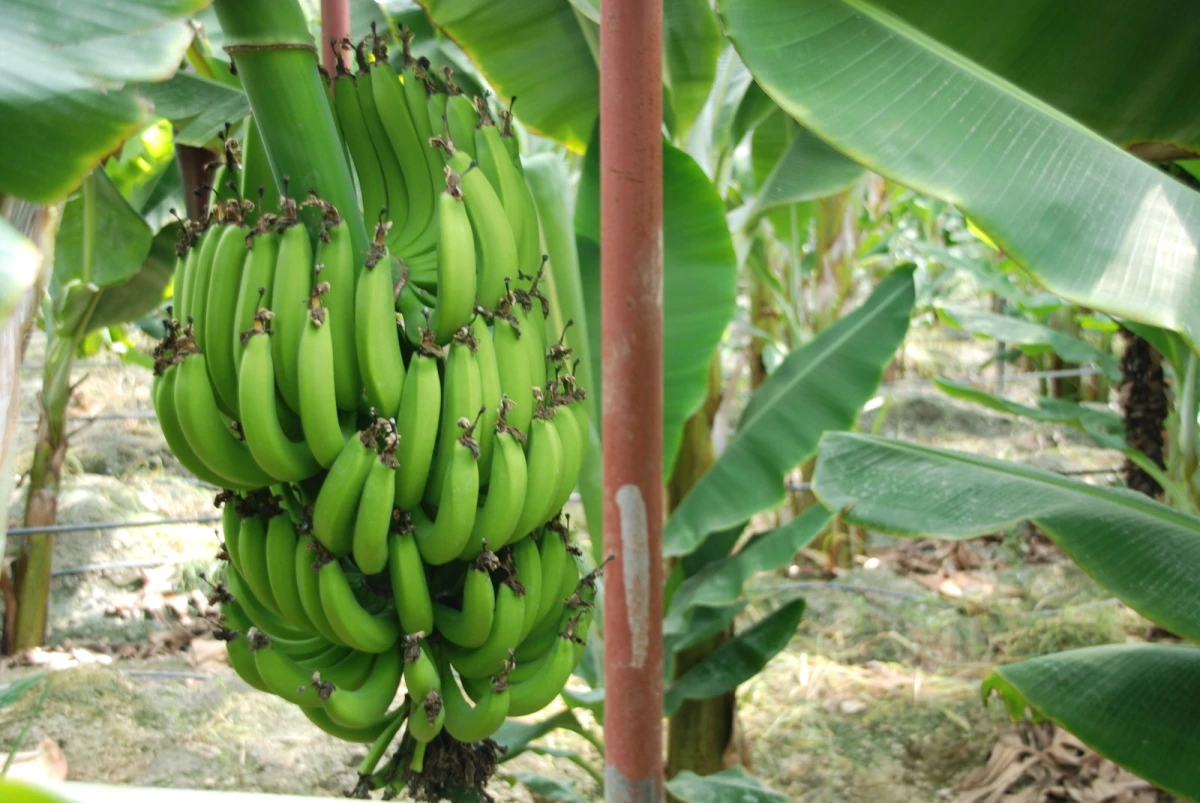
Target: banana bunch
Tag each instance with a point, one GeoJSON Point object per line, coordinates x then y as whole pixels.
{"type": "Point", "coordinates": [396, 437]}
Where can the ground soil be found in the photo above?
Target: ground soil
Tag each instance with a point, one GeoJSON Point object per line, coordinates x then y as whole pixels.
{"type": "Point", "coordinates": [876, 698]}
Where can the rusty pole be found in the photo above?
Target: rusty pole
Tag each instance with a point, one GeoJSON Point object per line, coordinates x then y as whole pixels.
{"type": "Point", "coordinates": [335, 24]}
{"type": "Point", "coordinates": [631, 316]}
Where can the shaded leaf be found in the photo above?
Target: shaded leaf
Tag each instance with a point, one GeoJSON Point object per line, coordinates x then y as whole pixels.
{"type": "Point", "coordinates": [1136, 704]}
{"type": "Point", "coordinates": [1092, 223]}
{"type": "Point", "coordinates": [699, 282]}
{"type": "Point", "coordinates": [820, 386]}
{"type": "Point", "coordinates": [514, 45]}
{"type": "Point", "coordinates": [63, 66]}
{"type": "Point", "coordinates": [547, 788]}
{"type": "Point", "coordinates": [720, 582]}
{"type": "Point", "coordinates": [1020, 332]}
{"type": "Point", "coordinates": [806, 170]}
{"type": "Point", "coordinates": [692, 41]}
{"type": "Point", "coordinates": [144, 290]}
{"type": "Point", "coordinates": [516, 736]}
{"type": "Point", "coordinates": [731, 784]}
{"type": "Point", "coordinates": [738, 659]}
{"type": "Point", "coordinates": [199, 108]}
{"type": "Point", "coordinates": [1141, 551]}
{"type": "Point", "coordinates": [703, 624]}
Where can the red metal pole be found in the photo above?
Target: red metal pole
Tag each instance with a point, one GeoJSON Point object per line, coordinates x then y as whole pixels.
{"type": "Point", "coordinates": [631, 316]}
{"type": "Point", "coordinates": [335, 24]}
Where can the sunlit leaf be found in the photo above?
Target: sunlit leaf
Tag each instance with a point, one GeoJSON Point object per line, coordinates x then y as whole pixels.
{"type": "Point", "coordinates": [199, 108]}
{"type": "Point", "coordinates": [20, 261]}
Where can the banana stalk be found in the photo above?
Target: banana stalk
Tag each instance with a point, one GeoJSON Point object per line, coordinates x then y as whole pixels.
{"type": "Point", "coordinates": [275, 57]}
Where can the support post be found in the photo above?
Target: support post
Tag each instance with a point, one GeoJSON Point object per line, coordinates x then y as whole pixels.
{"type": "Point", "coordinates": [631, 326]}
{"type": "Point", "coordinates": [335, 25]}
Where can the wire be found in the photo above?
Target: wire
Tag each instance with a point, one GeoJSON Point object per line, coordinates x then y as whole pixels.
{"type": "Point", "coordinates": [111, 525]}
{"type": "Point", "coordinates": [89, 568]}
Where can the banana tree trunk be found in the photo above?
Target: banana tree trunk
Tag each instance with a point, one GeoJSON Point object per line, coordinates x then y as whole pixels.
{"type": "Point", "coordinates": [40, 224]}
{"type": "Point", "coordinates": [700, 732]}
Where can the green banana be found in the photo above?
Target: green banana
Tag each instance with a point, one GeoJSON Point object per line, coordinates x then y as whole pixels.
{"type": "Point", "coordinates": [509, 136]}
{"type": "Point", "coordinates": [206, 433]}
{"type": "Point", "coordinates": [219, 331]}
{"type": "Point", "coordinates": [416, 95]}
{"type": "Point", "coordinates": [470, 626]}
{"type": "Point", "coordinates": [377, 344]}
{"type": "Point", "coordinates": [258, 277]}
{"type": "Point", "coordinates": [262, 618]}
{"type": "Point", "coordinates": [417, 424]}
{"type": "Point", "coordinates": [367, 168]}
{"type": "Point", "coordinates": [289, 304]}
{"type": "Point", "coordinates": [280, 552]}
{"type": "Point", "coordinates": [353, 624]}
{"type": "Point", "coordinates": [496, 520]}
{"type": "Point", "coordinates": [373, 521]}
{"type": "Point", "coordinates": [573, 445]}
{"type": "Point", "coordinates": [231, 526]}
{"type": "Point", "coordinates": [544, 456]}
{"type": "Point", "coordinates": [284, 459]}
{"type": "Point", "coordinates": [553, 551]}
{"type": "Point", "coordinates": [413, 309]}
{"type": "Point", "coordinates": [318, 398]}
{"type": "Point", "coordinates": [335, 260]}
{"type": "Point", "coordinates": [427, 716]}
{"type": "Point", "coordinates": [284, 677]}
{"type": "Point", "coordinates": [367, 735]}
{"type": "Point", "coordinates": [442, 539]}
{"type": "Point", "coordinates": [537, 692]}
{"type": "Point", "coordinates": [528, 564]}
{"type": "Point", "coordinates": [529, 236]}
{"type": "Point", "coordinates": [461, 120]}
{"type": "Point", "coordinates": [163, 393]}
{"type": "Point", "coordinates": [495, 246]}
{"type": "Point", "coordinates": [337, 502]}
{"type": "Point", "coordinates": [533, 336]}
{"type": "Point", "coordinates": [473, 723]}
{"type": "Point", "coordinates": [237, 647]}
{"type": "Point", "coordinates": [350, 673]}
{"type": "Point", "coordinates": [197, 288]}
{"type": "Point", "coordinates": [512, 361]}
{"type": "Point", "coordinates": [489, 395]}
{"type": "Point", "coordinates": [410, 589]}
{"type": "Point", "coordinates": [365, 705]}
{"type": "Point", "coordinates": [456, 264]}
{"type": "Point", "coordinates": [507, 621]}
{"type": "Point", "coordinates": [497, 165]}
{"type": "Point", "coordinates": [196, 235]}
{"type": "Point", "coordinates": [462, 397]}
{"type": "Point", "coordinates": [308, 585]}
{"type": "Point", "coordinates": [389, 166]}
{"type": "Point", "coordinates": [252, 554]}
{"type": "Point", "coordinates": [406, 144]}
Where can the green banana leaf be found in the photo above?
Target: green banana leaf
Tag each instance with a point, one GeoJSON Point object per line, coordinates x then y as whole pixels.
{"type": "Point", "coordinates": [807, 169]}
{"type": "Point", "coordinates": [1089, 221]}
{"type": "Point", "coordinates": [1137, 704]}
{"type": "Point", "coordinates": [61, 78]}
{"type": "Point", "coordinates": [198, 108]}
{"type": "Point", "coordinates": [20, 261]}
{"type": "Point", "coordinates": [1104, 426]}
{"type": "Point", "coordinates": [719, 583]}
{"type": "Point", "coordinates": [699, 283]}
{"type": "Point", "coordinates": [559, 790]}
{"type": "Point", "coordinates": [1037, 337]}
{"type": "Point", "coordinates": [1143, 552]}
{"type": "Point", "coordinates": [736, 660]}
{"type": "Point", "coordinates": [692, 42]}
{"type": "Point", "coordinates": [731, 784]}
{"type": "Point", "coordinates": [818, 387]}
{"type": "Point", "coordinates": [535, 51]}
{"type": "Point", "coordinates": [516, 736]}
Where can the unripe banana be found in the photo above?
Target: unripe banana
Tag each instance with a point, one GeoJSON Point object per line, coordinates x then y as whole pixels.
{"type": "Point", "coordinates": [367, 168]}
{"type": "Point", "coordinates": [308, 585]}
{"type": "Point", "coordinates": [456, 279]}
{"type": "Point", "coordinates": [496, 520]}
{"type": "Point", "coordinates": [441, 540]}
{"type": "Point", "coordinates": [461, 120]}
{"type": "Point", "coordinates": [337, 502]}
{"type": "Point", "coordinates": [462, 397]}
{"type": "Point", "coordinates": [533, 336]}
{"type": "Point", "coordinates": [497, 165]}
{"type": "Point", "coordinates": [206, 433]}
{"type": "Point", "coordinates": [473, 723]}
{"type": "Point", "coordinates": [242, 660]}
{"type": "Point", "coordinates": [425, 721]}
{"type": "Point", "coordinates": [553, 552]}
{"type": "Point", "coordinates": [470, 626]}
{"type": "Point", "coordinates": [426, 717]}
{"type": "Point", "coordinates": [163, 393]}
{"type": "Point", "coordinates": [197, 290]}
{"type": "Point", "coordinates": [289, 304]}
{"type": "Point", "coordinates": [336, 260]}
{"type": "Point", "coordinates": [417, 425]}
{"type": "Point", "coordinates": [262, 618]}
{"type": "Point", "coordinates": [217, 335]}
{"type": "Point", "coordinates": [258, 277]}
{"type": "Point", "coordinates": [507, 621]}
{"type": "Point", "coordinates": [318, 397]}
{"type": "Point", "coordinates": [361, 707]}
{"type": "Point", "coordinates": [377, 343]}
{"type": "Point", "coordinates": [283, 676]}
{"type": "Point", "coordinates": [322, 720]}
{"type": "Point", "coordinates": [180, 303]}
{"type": "Point", "coordinates": [389, 165]}
{"type": "Point", "coordinates": [528, 564]}
{"type": "Point", "coordinates": [373, 521]}
{"type": "Point", "coordinates": [410, 153]}
{"type": "Point", "coordinates": [512, 361]}
{"type": "Point", "coordinates": [410, 588]}
{"type": "Point", "coordinates": [490, 395]}
{"type": "Point", "coordinates": [534, 694]}
{"type": "Point", "coordinates": [252, 551]}
{"type": "Point", "coordinates": [280, 550]}
{"type": "Point", "coordinates": [573, 445]}
{"type": "Point", "coordinates": [353, 624]}
{"type": "Point", "coordinates": [544, 458]}
{"type": "Point", "coordinates": [231, 526]}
